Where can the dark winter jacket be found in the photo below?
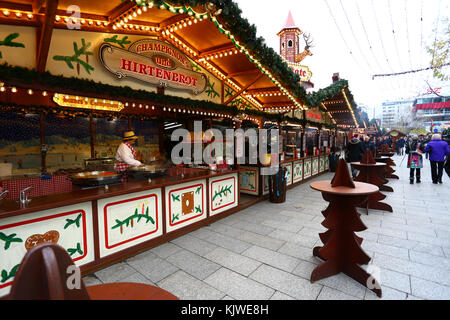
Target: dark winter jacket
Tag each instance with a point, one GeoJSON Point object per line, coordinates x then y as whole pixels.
{"type": "Point", "coordinates": [355, 149]}
{"type": "Point", "coordinates": [411, 146]}
{"type": "Point", "coordinates": [438, 150]}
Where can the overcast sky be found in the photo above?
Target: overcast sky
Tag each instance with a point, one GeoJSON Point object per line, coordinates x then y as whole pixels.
{"type": "Point", "coordinates": [355, 38]}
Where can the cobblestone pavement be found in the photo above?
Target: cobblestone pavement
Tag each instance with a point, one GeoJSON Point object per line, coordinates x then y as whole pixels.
{"type": "Point", "coordinates": [265, 251]}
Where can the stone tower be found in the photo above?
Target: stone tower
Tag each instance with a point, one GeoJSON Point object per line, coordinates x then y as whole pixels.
{"type": "Point", "coordinates": [290, 39]}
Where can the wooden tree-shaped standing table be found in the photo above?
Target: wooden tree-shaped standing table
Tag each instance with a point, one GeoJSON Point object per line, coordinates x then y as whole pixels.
{"type": "Point", "coordinates": [371, 172]}
{"type": "Point", "coordinates": [342, 250]}
{"type": "Point", "coordinates": [385, 156]}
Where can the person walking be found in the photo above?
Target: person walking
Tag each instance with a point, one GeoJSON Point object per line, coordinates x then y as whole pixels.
{"type": "Point", "coordinates": [438, 149]}
{"type": "Point", "coordinates": [414, 149]}
{"type": "Point", "coordinates": [355, 152]}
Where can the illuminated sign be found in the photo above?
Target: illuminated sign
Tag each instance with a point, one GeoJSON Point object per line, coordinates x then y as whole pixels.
{"type": "Point", "coordinates": [303, 71]}
{"type": "Point", "coordinates": [154, 62]}
{"type": "Point", "coordinates": [69, 101]}
{"type": "Point", "coordinates": [315, 116]}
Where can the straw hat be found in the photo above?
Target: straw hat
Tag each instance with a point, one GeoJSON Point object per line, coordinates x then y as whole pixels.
{"type": "Point", "coordinates": [129, 135]}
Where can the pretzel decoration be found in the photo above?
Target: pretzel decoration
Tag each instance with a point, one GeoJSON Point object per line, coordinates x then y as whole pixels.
{"type": "Point", "coordinates": [35, 239]}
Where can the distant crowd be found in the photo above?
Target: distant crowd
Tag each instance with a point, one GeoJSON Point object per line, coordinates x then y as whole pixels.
{"type": "Point", "coordinates": [415, 146]}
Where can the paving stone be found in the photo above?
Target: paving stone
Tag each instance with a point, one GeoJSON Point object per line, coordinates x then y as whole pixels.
{"type": "Point", "coordinates": [194, 244]}
{"type": "Point", "coordinates": [405, 227]}
{"type": "Point", "coordinates": [238, 286]}
{"type": "Point", "coordinates": [91, 280]}
{"type": "Point", "coordinates": [193, 264]}
{"type": "Point", "coordinates": [115, 272]}
{"type": "Point", "coordinates": [272, 258]}
{"type": "Point", "coordinates": [151, 266]}
{"type": "Point", "coordinates": [260, 240]}
{"type": "Point", "coordinates": [429, 248]}
{"type": "Point", "coordinates": [429, 259]}
{"type": "Point", "coordinates": [386, 294]}
{"type": "Point", "coordinates": [297, 215]}
{"type": "Point", "coordinates": [137, 278]}
{"type": "Point", "coordinates": [166, 249]}
{"type": "Point", "coordinates": [427, 239]}
{"type": "Point", "coordinates": [286, 283]}
{"type": "Point", "coordinates": [254, 227]}
{"type": "Point", "coordinates": [233, 261]}
{"type": "Point", "coordinates": [223, 241]}
{"type": "Point", "coordinates": [385, 249]}
{"type": "Point", "coordinates": [395, 280]}
{"type": "Point", "coordinates": [333, 294]}
{"type": "Point", "coordinates": [297, 251]}
{"type": "Point", "coordinates": [300, 239]}
{"type": "Point", "coordinates": [396, 242]}
{"type": "Point", "coordinates": [436, 274]}
{"type": "Point", "coordinates": [282, 225]}
{"type": "Point", "coordinates": [224, 229]}
{"type": "Point", "coordinates": [280, 296]}
{"type": "Point", "coordinates": [304, 269]}
{"type": "Point", "coordinates": [313, 233]}
{"type": "Point", "coordinates": [345, 284]}
{"type": "Point", "coordinates": [186, 287]}
{"type": "Point", "coordinates": [429, 290]}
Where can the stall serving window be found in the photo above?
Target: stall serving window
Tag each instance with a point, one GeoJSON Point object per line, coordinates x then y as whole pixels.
{"type": "Point", "coordinates": [147, 144]}
{"type": "Point", "coordinates": [108, 136]}
{"type": "Point", "coordinates": [311, 141]}
{"type": "Point", "coordinates": [20, 141]}
{"type": "Point", "coordinates": [324, 134]}
{"type": "Point", "coordinates": [68, 142]}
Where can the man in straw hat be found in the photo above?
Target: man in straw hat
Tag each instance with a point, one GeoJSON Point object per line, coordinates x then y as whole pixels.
{"type": "Point", "coordinates": [126, 154]}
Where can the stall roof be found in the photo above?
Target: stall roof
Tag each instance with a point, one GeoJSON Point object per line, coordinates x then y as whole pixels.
{"type": "Point", "coordinates": [211, 33]}
{"type": "Point", "coordinates": [202, 32]}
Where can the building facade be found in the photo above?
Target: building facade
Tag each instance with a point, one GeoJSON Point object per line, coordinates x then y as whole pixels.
{"type": "Point", "coordinates": [432, 109]}
{"type": "Point", "coordinates": [396, 114]}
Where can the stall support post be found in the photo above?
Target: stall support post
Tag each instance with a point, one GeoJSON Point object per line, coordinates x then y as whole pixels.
{"type": "Point", "coordinates": [43, 154]}
{"type": "Point", "coordinates": [161, 136]}
{"type": "Point", "coordinates": [302, 141]}
{"type": "Point", "coordinates": [318, 139]}
{"type": "Point", "coordinates": [91, 120]}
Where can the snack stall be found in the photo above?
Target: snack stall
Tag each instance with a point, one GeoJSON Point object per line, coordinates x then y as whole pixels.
{"type": "Point", "coordinates": [68, 95]}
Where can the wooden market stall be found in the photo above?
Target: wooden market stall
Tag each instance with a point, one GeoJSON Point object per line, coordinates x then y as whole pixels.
{"type": "Point", "coordinates": [73, 83]}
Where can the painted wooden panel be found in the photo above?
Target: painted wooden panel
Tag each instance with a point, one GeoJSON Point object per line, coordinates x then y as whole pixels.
{"type": "Point", "coordinates": [127, 220]}
{"type": "Point", "coordinates": [70, 227]}
{"type": "Point", "coordinates": [315, 166]}
{"type": "Point", "coordinates": [249, 177]}
{"type": "Point", "coordinates": [297, 171]}
{"type": "Point", "coordinates": [223, 193]}
{"type": "Point", "coordinates": [307, 168]}
{"type": "Point", "coordinates": [321, 164]}
{"type": "Point", "coordinates": [185, 204]}
{"type": "Point", "coordinates": [266, 185]}
{"type": "Point", "coordinates": [288, 167]}
{"type": "Point", "coordinates": [327, 163]}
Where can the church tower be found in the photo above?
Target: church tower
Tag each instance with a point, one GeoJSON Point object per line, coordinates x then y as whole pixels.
{"type": "Point", "coordinates": [290, 39]}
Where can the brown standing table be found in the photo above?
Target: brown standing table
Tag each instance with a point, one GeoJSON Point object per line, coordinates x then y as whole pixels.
{"type": "Point", "coordinates": [342, 250]}
{"type": "Point", "coordinates": [386, 158]}
{"type": "Point", "coordinates": [390, 163]}
{"type": "Point", "coordinates": [372, 173]}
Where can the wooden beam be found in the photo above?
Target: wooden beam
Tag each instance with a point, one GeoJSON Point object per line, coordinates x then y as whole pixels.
{"type": "Point", "coordinates": [120, 10]}
{"type": "Point", "coordinates": [15, 6]}
{"type": "Point", "coordinates": [217, 49]}
{"type": "Point", "coordinates": [45, 36]}
{"type": "Point", "coordinates": [173, 20]}
{"type": "Point", "coordinates": [243, 89]}
{"type": "Point", "coordinates": [37, 5]}
{"type": "Point", "coordinates": [242, 73]}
